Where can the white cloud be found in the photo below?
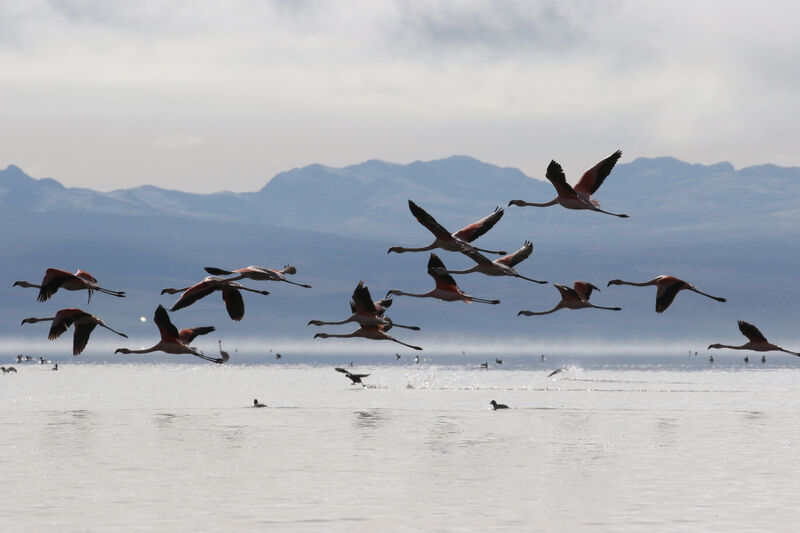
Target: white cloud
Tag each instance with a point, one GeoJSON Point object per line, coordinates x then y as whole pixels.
{"type": "Point", "coordinates": [268, 86]}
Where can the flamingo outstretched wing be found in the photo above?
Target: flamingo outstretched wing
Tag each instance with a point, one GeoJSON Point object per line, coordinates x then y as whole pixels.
{"type": "Point", "coordinates": [428, 221]}
{"type": "Point", "coordinates": [187, 335]}
{"type": "Point", "coordinates": [437, 271]}
{"type": "Point", "coordinates": [518, 256]}
{"type": "Point", "coordinates": [476, 229]}
{"type": "Point", "coordinates": [168, 331]}
{"type": "Point", "coordinates": [751, 332]}
{"type": "Point", "coordinates": [555, 174]}
{"type": "Point", "coordinates": [593, 178]}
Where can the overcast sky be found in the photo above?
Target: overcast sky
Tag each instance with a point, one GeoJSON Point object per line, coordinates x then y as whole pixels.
{"type": "Point", "coordinates": [206, 96]}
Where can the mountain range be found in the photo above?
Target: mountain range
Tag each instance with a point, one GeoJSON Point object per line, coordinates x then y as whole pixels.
{"type": "Point", "coordinates": [731, 232]}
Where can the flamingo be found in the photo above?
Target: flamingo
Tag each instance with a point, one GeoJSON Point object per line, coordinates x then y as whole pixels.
{"type": "Point", "coordinates": [258, 273]}
{"type": "Point", "coordinates": [453, 242]}
{"type": "Point", "coordinates": [446, 288]}
{"type": "Point", "coordinates": [496, 406]}
{"type": "Point", "coordinates": [55, 279]}
{"type": "Point", "coordinates": [668, 288]}
{"type": "Point", "coordinates": [230, 294]}
{"type": "Point", "coordinates": [355, 378]}
{"type": "Point", "coordinates": [581, 196]}
{"type": "Point", "coordinates": [756, 341]}
{"type": "Point", "coordinates": [575, 297]}
{"type": "Point", "coordinates": [365, 311]}
{"type": "Point", "coordinates": [503, 266]}
{"type": "Point", "coordinates": [84, 325]}
{"type": "Point", "coordinates": [174, 341]}
{"type": "Point", "coordinates": [376, 332]}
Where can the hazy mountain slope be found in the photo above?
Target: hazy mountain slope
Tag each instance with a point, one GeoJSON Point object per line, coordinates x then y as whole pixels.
{"type": "Point", "coordinates": [733, 233]}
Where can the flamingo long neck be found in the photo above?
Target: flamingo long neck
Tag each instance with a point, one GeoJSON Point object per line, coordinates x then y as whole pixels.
{"type": "Point", "coordinates": [34, 320]}
{"type": "Point", "coordinates": [401, 249]}
{"type": "Point", "coordinates": [413, 295]}
{"type": "Point", "coordinates": [27, 284]}
{"type": "Point", "coordinates": [653, 281]}
{"type": "Point", "coordinates": [323, 323]}
{"type": "Point", "coordinates": [522, 203]}
{"type": "Point", "coordinates": [717, 298]}
{"type": "Point", "coordinates": [152, 349]}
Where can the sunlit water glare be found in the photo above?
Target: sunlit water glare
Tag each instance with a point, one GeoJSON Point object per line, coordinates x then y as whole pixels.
{"type": "Point", "coordinates": [598, 447]}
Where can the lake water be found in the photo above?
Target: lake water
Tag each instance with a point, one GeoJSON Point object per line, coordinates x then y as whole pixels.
{"type": "Point", "coordinates": [672, 445]}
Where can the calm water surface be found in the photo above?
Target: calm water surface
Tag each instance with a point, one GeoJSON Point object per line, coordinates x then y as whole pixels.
{"type": "Point", "coordinates": [164, 447]}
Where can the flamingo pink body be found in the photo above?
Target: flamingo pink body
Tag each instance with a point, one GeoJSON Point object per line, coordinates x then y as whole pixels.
{"type": "Point", "coordinates": [668, 287]}
{"type": "Point", "coordinates": [258, 273]}
{"type": "Point", "coordinates": [576, 297]}
{"type": "Point", "coordinates": [84, 325]}
{"type": "Point", "coordinates": [503, 266]}
{"type": "Point", "coordinates": [55, 279]}
{"type": "Point", "coordinates": [755, 341]}
{"type": "Point", "coordinates": [579, 197]}
{"type": "Point", "coordinates": [174, 341]}
{"type": "Point", "coordinates": [231, 295]}
{"type": "Point", "coordinates": [452, 242]}
{"type": "Point", "coordinates": [446, 288]}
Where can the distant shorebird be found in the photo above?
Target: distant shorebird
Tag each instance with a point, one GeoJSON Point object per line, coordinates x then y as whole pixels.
{"type": "Point", "coordinates": [575, 297]}
{"type": "Point", "coordinates": [485, 366]}
{"type": "Point", "coordinates": [668, 288]}
{"type": "Point", "coordinates": [9, 370]}
{"type": "Point", "coordinates": [498, 361]}
{"type": "Point", "coordinates": [756, 341]}
{"type": "Point", "coordinates": [581, 196]}
{"type": "Point", "coordinates": [446, 288]}
{"type": "Point", "coordinates": [503, 266]}
{"type": "Point", "coordinates": [258, 273]}
{"type": "Point", "coordinates": [556, 371]}
{"type": "Point", "coordinates": [234, 303]}
{"type": "Point", "coordinates": [496, 406]}
{"type": "Point", "coordinates": [174, 341]}
{"type": "Point", "coordinates": [55, 367]}
{"type": "Point", "coordinates": [459, 241]}
{"type": "Point", "coordinates": [84, 325]}
{"type": "Point", "coordinates": [256, 403]}
{"type": "Point", "coordinates": [355, 378]}
{"type": "Point", "coordinates": [223, 354]}
{"type": "Point", "coordinates": [55, 279]}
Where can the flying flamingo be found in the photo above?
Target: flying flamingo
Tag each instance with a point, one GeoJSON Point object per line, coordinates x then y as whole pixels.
{"type": "Point", "coordinates": [365, 311]}
{"type": "Point", "coordinates": [756, 341]}
{"type": "Point", "coordinates": [668, 288]}
{"type": "Point", "coordinates": [453, 242]}
{"type": "Point", "coordinates": [174, 341]}
{"type": "Point", "coordinates": [575, 297]}
{"type": "Point", "coordinates": [503, 266]}
{"type": "Point", "coordinates": [377, 332]}
{"type": "Point", "coordinates": [84, 325]}
{"type": "Point", "coordinates": [258, 273]}
{"type": "Point", "coordinates": [581, 196]}
{"type": "Point", "coordinates": [55, 279]}
{"type": "Point", "coordinates": [446, 288]}
{"type": "Point", "coordinates": [234, 302]}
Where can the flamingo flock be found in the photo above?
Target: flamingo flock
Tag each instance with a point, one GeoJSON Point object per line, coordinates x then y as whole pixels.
{"type": "Point", "coordinates": [370, 315]}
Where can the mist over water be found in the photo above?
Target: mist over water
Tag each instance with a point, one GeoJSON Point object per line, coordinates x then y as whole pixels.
{"type": "Point", "coordinates": [603, 445]}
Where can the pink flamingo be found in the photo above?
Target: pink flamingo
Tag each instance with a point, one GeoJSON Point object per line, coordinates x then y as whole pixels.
{"type": "Point", "coordinates": [365, 311]}
{"type": "Point", "coordinates": [174, 341]}
{"type": "Point", "coordinates": [581, 196]}
{"type": "Point", "coordinates": [668, 288]}
{"type": "Point", "coordinates": [575, 297]}
{"type": "Point", "coordinates": [756, 341]}
{"type": "Point", "coordinates": [503, 266]}
{"type": "Point", "coordinates": [453, 242]}
{"type": "Point", "coordinates": [258, 273]}
{"type": "Point", "coordinates": [446, 288]}
{"type": "Point", "coordinates": [377, 332]}
{"type": "Point", "coordinates": [84, 325]}
{"type": "Point", "coordinates": [234, 302]}
{"type": "Point", "coordinates": [55, 279]}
